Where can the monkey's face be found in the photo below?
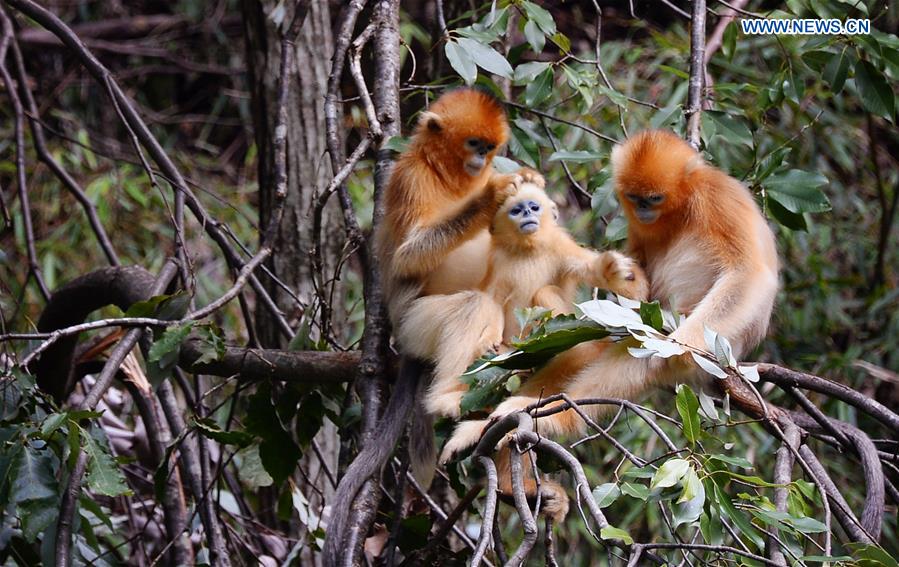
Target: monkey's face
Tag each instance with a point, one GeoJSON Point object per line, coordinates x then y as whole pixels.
{"type": "Point", "coordinates": [526, 214]}
{"type": "Point", "coordinates": [478, 153]}
{"type": "Point", "coordinates": [646, 204]}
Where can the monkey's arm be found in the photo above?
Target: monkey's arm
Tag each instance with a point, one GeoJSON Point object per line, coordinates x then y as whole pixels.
{"type": "Point", "coordinates": [425, 246]}
{"type": "Point", "coordinates": [608, 270]}
{"type": "Point", "coordinates": [738, 306]}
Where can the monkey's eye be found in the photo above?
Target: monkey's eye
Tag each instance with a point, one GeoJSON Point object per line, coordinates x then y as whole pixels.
{"type": "Point", "coordinates": [490, 147]}
{"type": "Point", "coordinates": [535, 207]}
{"type": "Point", "coordinates": [516, 210]}
{"type": "Point", "coordinates": [633, 198]}
{"type": "Point", "coordinates": [655, 199]}
{"type": "Point", "coordinates": [472, 144]}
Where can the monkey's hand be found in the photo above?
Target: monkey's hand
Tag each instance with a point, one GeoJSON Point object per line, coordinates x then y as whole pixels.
{"type": "Point", "coordinates": [620, 274]}
{"type": "Point", "coordinates": [529, 175]}
{"type": "Point", "coordinates": [500, 187]}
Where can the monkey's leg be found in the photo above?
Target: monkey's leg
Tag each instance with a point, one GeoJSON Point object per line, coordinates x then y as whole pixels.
{"type": "Point", "coordinates": [553, 498]}
{"type": "Point", "coordinates": [472, 324]}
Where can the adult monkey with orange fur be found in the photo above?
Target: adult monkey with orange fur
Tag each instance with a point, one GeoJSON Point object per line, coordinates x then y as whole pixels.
{"type": "Point", "coordinates": [708, 253]}
{"type": "Point", "coordinates": [441, 197]}
{"type": "Point", "coordinates": [442, 194]}
{"type": "Point", "coordinates": [532, 262]}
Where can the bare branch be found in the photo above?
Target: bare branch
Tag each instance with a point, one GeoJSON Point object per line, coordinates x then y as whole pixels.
{"type": "Point", "coordinates": [697, 73]}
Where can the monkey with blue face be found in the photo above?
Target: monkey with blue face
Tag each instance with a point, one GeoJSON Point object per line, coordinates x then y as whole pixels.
{"type": "Point", "coordinates": [532, 262]}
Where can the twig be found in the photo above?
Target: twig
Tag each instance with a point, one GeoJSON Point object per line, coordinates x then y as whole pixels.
{"type": "Point", "coordinates": [40, 146]}
{"type": "Point", "coordinates": [489, 510]}
{"type": "Point", "coordinates": [783, 469]}
{"type": "Point", "coordinates": [19, 123]}
{"type": "Point", "coordinates": [693, 111]}
{"type": "Point", "coordinates": [549, 116]}
{"type": "Point", "coordinates": [529, 525]}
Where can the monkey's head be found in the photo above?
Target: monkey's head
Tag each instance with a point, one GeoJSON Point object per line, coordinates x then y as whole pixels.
{"type": "Point", "coordinates": [652, 173]}
{"type": "Point", "coordinates": [526, 216]}
{"type": "Point", "coordinates": [462, 131]}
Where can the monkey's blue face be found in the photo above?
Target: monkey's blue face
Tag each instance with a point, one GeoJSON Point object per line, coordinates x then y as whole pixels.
{"type": "Point", "coordinates": [526, 214]}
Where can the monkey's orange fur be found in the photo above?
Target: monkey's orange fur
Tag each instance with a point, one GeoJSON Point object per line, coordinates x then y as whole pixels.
{"type": "Point", "coordinates": [709, 255]}
{"type": "Point", "coordinates": [433, 238]}
{"type": "Point", "coordinates": [439, 201]}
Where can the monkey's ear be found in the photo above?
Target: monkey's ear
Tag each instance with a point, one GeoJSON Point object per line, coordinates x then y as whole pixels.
{"type": "Point", "coordinates": [430, 121]}
{"type": "Point", "coordinates": [555, 210]}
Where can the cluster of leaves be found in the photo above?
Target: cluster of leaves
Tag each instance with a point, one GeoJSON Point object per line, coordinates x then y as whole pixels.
{"type": "Point", "coordinates": [39, 447]}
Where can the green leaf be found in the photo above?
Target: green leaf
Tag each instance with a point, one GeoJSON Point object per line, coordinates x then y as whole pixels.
{"type": "Point", "coordinates": [836, 71]}
{"type": "Point", "coordinates": [400, 144]}
{"type": "Point", "coordinates": [53, 422]}
{"type": "Point", "coordinates": [37, 516]}
{"type": "Point", "coordinates": [103, 473]}
{"type": "Point", "coordinates": [211, 343]}
{"type": "Point", "coordinates": [208, 428]}
{"type": "Point", "coordinates": [535, 37]}
{"type": "Point", "coordinates": [733, 461]}
{"type": "Point", "coordinates": [611, 532]}
{"type": "Point", "coordinates": [688, 408]}
{"type": "Point", "coordinates": [577, 156]}
{"type": "Point", "coordinates": [606, 494]}
{"type": "Point", "coordinates": [651, 314]}
{"type": "Point", "coordinates": [674, 71]}
{"type": "Point", "coordinates": [670, 473]}
{"type": "Point", "coordinates": [603, 200]}
{"type": "Point", "coordinates": [251, 471]}
{"type": "Point", "coordinates": [816, 59]}
{"type": "Point", "coordinates": [732, 128]}
{"type": "Point", "coordinates": [461, 62]}
{"type": "Point", "coordinates": [540, 89]}
{"type": "Point", "coordinates": [540, 16]}
{"type": "Point", "coordinates": [485, 389]}
{"type": "Point", "coordinates": [874, 90]}
{"type": "Point", "coordinates": [278, 451]}
{"type": "Point", "coordinates": [486, 57]}
{"type": "Point", "coordinates": [634, 490]}
{"type": "Point", "coordinates": [31, 475]}
{"type": "Point", "coordinates": [562, 42]}
{"type": "Point", "coordinates": [871, 555]}
{"type": "Point", "coordinates": [798, 191]}
{"type": "Point", "coordinates": [166, 349]}
{"type": "Point", "coordinates": [727, 509]}
{"type": "Point", "coordinates": [529, 71]}
{"type": "Point", "coordinates": [729, 41]}
{"type": "Point", "coordinates": [793, 221]}
{"type": "Point", "coordinates": [691, 502]}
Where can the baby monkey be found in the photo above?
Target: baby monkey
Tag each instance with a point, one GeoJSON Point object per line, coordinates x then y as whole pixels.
{"type": "Point", "coordinates": [532, 262]}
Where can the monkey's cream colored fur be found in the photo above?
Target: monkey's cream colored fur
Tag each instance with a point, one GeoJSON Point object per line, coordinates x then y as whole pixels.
{"type": "Point", "coordinates": [710, 255]}
{"type": "Point", "coordinates": [538, 269]}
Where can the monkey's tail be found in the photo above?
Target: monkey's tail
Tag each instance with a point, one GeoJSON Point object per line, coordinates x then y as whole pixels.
{"type": "Point", "coordinates": [422, 449]}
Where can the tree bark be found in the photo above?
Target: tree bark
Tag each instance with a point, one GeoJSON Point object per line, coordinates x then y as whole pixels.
{"type": "Point", "coordinates": [308, 172]}
{"type": "Point", "coordinates": [307, 169]}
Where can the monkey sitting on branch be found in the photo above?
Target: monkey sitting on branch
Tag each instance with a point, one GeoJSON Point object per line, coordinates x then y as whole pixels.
{"type": "Point", "coordinates": [533, 262]}
{"type": "Point", "coordinates": [708, 253]}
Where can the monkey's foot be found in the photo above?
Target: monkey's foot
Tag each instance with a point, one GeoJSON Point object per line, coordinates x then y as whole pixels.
{"type": "Point", "coordinates": [554, 500]}
{"type": "Point", "coordinates": [466, 434]}
{"type": "Point", "coordinates": [445, 404]}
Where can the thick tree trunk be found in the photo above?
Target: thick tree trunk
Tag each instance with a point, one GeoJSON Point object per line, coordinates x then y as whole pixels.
{"type": "Point", "coordinates": [308, 172]}
{"type": "Point", "coordinates": [308, 169]}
